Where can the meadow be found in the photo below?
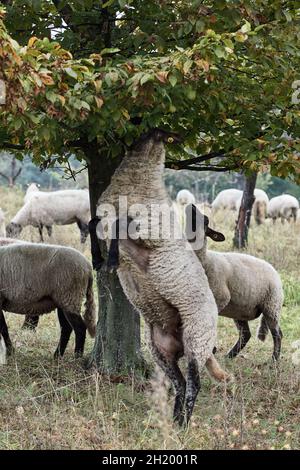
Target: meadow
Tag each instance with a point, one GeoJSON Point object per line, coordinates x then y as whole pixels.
{"type": "Point", "coordinates": [46, 404]}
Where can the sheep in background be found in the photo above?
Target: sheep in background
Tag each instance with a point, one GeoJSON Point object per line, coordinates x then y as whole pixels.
{"type": "Point", "coordinates": [2, 351]}
{"type": "Point", "coordinates": [285, 206]}
{"type": "Point", "coordinates": [48, 208]}
{"type": "Point", "coordinates": [30, 321]}
{"type": "Point", "coordinates": [2, 223]}
{"type": "Point", "coordinates": [244, 287]}
{"type": "Point", "coordinates": [32, 188]}
{"type": "Point", "coordinates": [183, 198]}
{"type": "Point", "coordinates": [226, 200]}
{"type": "Point", "coordinates": [160, 275]}
{"type": "Point", "coordinates": [260, 205]}
{"type": "Point", "coordinates": [35, 279]}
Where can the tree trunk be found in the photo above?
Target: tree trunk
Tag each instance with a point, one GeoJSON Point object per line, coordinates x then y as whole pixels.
{"type": "Point", "coordinates": [242, 225]}
{"type": "Point", "coordinates": [117, 347]}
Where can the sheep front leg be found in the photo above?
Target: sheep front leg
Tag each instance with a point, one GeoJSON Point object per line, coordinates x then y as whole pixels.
{"type": "Point", "coordinates": [244, 336]}
{"type": "Point", "coordinates": [5, 335]}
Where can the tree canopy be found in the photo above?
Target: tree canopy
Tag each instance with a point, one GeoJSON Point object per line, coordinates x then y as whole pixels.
{"type": "Point", "coordinates": [219, 73]}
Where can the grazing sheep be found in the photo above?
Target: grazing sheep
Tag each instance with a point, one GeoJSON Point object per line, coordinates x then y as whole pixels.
{"type": "Point", "coordinates": [226, 200]}
{"type": "Point", "coordinates": [35, 279]}
{"type": "Point", "coordinates": [2, 351]}
{"type": "Point", "coordinates": [244, 287]}
{"type": "Point", "coordinates": [285, 206]}
{"type": "Point", "coordinates": [32, 188]}
{"type": "Point", "coordinates": [159, 273]}
{"type": "Point", "coordinates": [30, 322]}
{"type": "Point", "coordinates": [260, 206]}
{"type": "Point", "coordinates": [48, 208]}
{"type": "Point", "coordinates": [2, 224]}
{"type": "Point", "coordinates": [183, 198]}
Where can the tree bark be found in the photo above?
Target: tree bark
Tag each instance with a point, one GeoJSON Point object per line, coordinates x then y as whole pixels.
{"type": "Point", "coordinates": [117, 347]}
{"type": "Point", "coordinates": [243, 223]}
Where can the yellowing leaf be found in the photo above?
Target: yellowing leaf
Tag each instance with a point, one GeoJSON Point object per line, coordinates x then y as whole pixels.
{"type": "Point", "coordinates": [162, 76]}
{"type": "Point", "coordinates": [99, 102]}
{"type": "Point", "coordinates": [32, 41]}
{"type": "Point", "coordinates": [203, 64]}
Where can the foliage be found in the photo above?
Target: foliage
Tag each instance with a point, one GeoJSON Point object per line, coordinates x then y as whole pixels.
{"type": "Point", "coordinates": [219, 73]}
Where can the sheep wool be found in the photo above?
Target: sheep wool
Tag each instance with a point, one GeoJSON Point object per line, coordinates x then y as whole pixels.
{"type": "Point", "coordinates": [49, 208]}
{"type": "Point", "coordinates": [2, 351]}
{"type": "Point", "coordinates": [260, 205]}
{"type": "Point", "coordinates": [244, 288]}
{"type": "Point", "coordinates": [226, 199]}
{"type": "Point", "coordinates": [285, 207]}
{"type": "Point", "coordinates": [161, 277]}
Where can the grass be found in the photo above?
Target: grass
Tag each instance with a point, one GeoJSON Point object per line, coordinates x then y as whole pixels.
{"type": "Point", "coordinates": [46, 404]}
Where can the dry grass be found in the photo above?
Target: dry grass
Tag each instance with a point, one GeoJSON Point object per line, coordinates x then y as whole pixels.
{"type": "Point", "coordinates": [57, 405]}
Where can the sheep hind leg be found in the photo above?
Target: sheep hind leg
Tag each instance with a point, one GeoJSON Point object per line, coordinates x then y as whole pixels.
{"type": "Point", "coordinates": [5, 335]}
{"type": "Point", "coordinates": [65, 333]}
{"type": "Point", "coordinates": [192, 389]}
{"type": "Point", "coordinates": [170, 367]}
{"type": "Point", "coordinates": [276, 335]}
{"type": "Point", "coordinates": [244, 336]}
{"type": "Point", "coordinates": [79, 328]}
{"type": "Point", "coordinates": [49, 230]}
{"type": "Point", "coordinates": [40, 227]}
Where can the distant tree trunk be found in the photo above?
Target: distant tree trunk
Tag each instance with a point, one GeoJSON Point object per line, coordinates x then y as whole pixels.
{"type": "Point", "coordinates": [117, 347]}
{"type": "Point", "coordinates": [242, 225]}
{"type": "Point", "coordinates": [14, 173]}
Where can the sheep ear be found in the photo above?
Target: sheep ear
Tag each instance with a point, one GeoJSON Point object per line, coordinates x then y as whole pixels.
{"type": "Point", "coordinates": [215, 236]}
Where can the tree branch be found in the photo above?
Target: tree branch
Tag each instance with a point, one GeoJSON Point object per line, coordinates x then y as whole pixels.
{"type": "Point", "coordinates": [9, 146]}
{"type": "Point", "coordinates": [192, 161]}
{"type": "Point", "coordinates": [4, 176]}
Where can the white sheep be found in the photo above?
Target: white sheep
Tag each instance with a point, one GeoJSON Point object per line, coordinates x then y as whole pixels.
{"type": "Point", "coordinates": [260, 205]}
{"type": "Point", "coordinates": [160, 275]}
{"type": "Point", "coordinates": [48, 208]}
{"type": "Point", "coordinates": [244, 287]}
{"type": "Point", "coordinates": [35, 279]}
{"type": "Point", "coordinates": [32, 188]}
{"type": "Point", "coordinates": [183, 198]}
{"type": "Point", "coordinates": [226, 200]}
{"type": "Point", "coordinates": [2, 223]}
{"type": "Point", "coordinates": [284, 207]}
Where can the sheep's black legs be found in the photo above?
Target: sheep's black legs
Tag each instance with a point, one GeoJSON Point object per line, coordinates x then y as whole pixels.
{"type": "Point", "coordinates": [244, 337]}
{"type": "Point", "coordinates": [84, 231]}
{"type": "Point", "coordinates": [30, 322]}
{"type": "Point", "coordinates": [277, 336]}
{"type": "Point", "coordinates": [41, 233]}
{"type": "Point", "coordinates": [192, 389]}
{"type": "Point", "coordinates": [5, 334]}
{"type": "Point", "coordinates": [79, 328]}
{"type": "Point", "coordinates": [174, 374]}
{"type": "Point", "coordinates": [65, 333]}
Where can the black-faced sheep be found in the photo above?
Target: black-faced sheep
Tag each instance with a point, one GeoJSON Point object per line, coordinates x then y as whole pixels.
{"type": "Point", "coordinates": [244, 287]}
{"type": "Point", "coordinates": [35, 279]}
{"type": "Point", "coordinates": [160, 274]}
{"type": "Point", "coordinates": [49, 208]}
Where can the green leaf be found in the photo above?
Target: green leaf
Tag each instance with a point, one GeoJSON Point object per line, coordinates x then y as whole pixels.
{"type": "Point", "coordinates": [69, 71]}
{"type": "Point", "coordinates": [172, 80]}
{"type": "Point", "coordinates": [110, 50]}
{"type": "Point", "coordinates": [146, 78]}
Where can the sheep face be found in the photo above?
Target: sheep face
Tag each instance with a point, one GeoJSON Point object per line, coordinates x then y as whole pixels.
{"type": "Point", "coordinates": [197, 221]}
{"type": "Point", "coordinates": [13, 230]}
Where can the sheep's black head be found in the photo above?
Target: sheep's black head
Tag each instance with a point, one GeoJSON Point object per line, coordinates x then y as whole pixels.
{"type": "Point", "coordinates": [197, 221]}
{"type": "Point", "coordinates": [13, 230]}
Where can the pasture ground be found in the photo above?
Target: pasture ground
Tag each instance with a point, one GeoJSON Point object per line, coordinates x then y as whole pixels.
{"type": "Point", "coordinates": [45, 404]}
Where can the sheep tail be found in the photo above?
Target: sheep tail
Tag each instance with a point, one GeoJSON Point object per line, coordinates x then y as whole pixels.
{"type": "Point", "coordinates": [263, 329]}
{"type": "Point", "coordinates": [216, 371]}
{"type": "Point", "coordinates": [89, 315]}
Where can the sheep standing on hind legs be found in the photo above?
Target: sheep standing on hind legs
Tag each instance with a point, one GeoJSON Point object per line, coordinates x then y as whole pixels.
{"type": "Point", "coordinates": [160, 275]}
{"type": "Point", "coordinates": [244, 287]}
{"type": "Point", "coordinates": [35, 279]}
